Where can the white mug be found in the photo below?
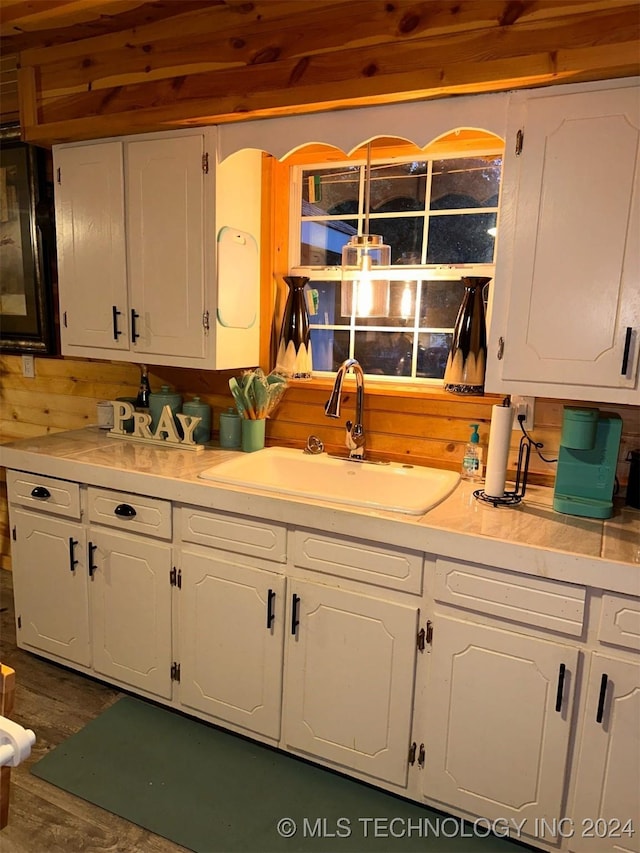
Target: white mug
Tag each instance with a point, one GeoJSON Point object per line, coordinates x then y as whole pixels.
{"type": "Point", "coordinates": [105, 414]}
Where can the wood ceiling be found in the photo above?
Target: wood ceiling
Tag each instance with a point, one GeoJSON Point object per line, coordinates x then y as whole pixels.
{"type": "Point", "coordinates": [91, 68]}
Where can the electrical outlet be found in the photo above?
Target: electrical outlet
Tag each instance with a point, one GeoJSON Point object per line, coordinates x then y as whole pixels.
{"type": "Point", "coordinates": [28, 366]}
{"type": "Point", "coordinates": [523, 406]}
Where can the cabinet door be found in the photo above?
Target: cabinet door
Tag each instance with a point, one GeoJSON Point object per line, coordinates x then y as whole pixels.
{"type": "Point", "coordinates": [607, 802]}
{"type": "Point", "coordinates": [130, 596]}
{"type": "Point", "coordinates": [231, 631]}
{"type": "Point", "coordinates": [91, 247]}
{"type": "Point", "coordinates": [50, 586]}
{"type": "Point", "coordinates": [349, 678]}
{"type": "Point", "coordinates": [166, 236]}
{"type": "Point", "coordinates": [575, 301]}
{"type": "Point", "coordinates": [499, 712]}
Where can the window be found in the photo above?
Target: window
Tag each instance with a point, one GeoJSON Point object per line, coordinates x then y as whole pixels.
{"type": "Point", "coordinates": [438, 214]}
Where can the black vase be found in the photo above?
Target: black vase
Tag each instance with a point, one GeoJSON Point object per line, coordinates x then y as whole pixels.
{"type": "Point", "coordinates": [464, 373]}
{"type": "Point", "coordinates": [294, 349]}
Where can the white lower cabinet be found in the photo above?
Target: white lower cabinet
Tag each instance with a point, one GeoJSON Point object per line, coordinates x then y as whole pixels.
{"type": "Point", "coordinates": [254, 620]}
{"type": "Point", "coordinates": [349, 679]}
{"type": "Point", "coordinates": [498, 722]}
{"type": "Point", "coordinates": [50, 585]}
{"type": "Point", "coordinates": [231, 631]}
{"type": "Point", "coordinates": [606, 809]}
{"type": "Point", "coordinates": [130, 595]}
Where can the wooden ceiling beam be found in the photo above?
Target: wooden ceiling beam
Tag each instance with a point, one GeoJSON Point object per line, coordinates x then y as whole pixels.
{"type": "Point", "coordinates": [220, 65]}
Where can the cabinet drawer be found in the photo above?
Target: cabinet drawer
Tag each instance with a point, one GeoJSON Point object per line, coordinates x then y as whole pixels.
{"type": "Point", "coordinates": [44, 493]}
{"type": "Point", "coordinates": [236, 533]}
{"type": "Point", "coordinates": [620, 621]}
{"type": "Point", "coordinates": [130, 512]}
{"type": "Point", "coordinates": [529, 600]}
{"type": "Point", "coordinates": [358, 559]}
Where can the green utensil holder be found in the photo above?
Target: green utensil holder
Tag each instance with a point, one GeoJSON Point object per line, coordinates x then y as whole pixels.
{"type": "Point", "coordinates": [252, 434]}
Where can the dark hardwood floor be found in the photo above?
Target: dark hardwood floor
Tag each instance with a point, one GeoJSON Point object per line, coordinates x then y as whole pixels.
{"type": "Point", "coordinates": [56, 702]}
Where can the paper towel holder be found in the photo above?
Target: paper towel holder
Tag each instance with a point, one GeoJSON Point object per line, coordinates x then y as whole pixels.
{"type": "Point", "coordinates": [514, 497]}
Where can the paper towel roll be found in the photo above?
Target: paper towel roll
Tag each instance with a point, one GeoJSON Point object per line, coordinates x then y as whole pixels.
{"type": "Point", "coordinates": [499, 440]}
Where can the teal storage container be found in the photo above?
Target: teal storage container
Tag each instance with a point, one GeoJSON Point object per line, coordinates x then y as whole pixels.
{"type": "Point", "coordinates": [158, 400]}
{"type": "Point", "coordinates": [230, 428]}
{"type": "Point", "coordinates": [197, 409]}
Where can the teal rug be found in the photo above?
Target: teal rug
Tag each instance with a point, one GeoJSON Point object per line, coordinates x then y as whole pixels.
{"type": "Point", "coordinates": [215, 792]}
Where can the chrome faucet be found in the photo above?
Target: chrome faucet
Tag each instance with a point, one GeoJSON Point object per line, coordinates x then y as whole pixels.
{"type": "Point", "coordinates": [354, 438]}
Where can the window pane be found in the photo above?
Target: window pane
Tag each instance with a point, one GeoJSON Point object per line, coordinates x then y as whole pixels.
{"type": "Point", "coordinates": [433, 351]}
{"type": "Point", "coordinates": [330, 191]}
{"type": "Point", "coordinates": [384, 353]}
{"type": "Point", "coordinates": [398, 186]}
{"type": "Point", "coordinates": [468, 182]}
{"type": "Point", "coordinates": [328, 311]}
{"type": "Point", "coordinates": [461, 239]}
{"type": "Point", "coordinates": [402, 307]}
{"type": "Point", "coordinates": [321, 242]}
{"type": "Point", "coordinates": [329, 347]}
{"type": "Point", "coordinates": [403, 234]}
{"type": "Point", "coordinates": [440, 302]}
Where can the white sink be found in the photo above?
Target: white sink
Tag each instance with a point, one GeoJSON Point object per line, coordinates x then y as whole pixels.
{"type": "Point", "coordinates": [396, 487]}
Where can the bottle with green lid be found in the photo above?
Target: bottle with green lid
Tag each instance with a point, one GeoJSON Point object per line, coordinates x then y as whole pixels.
{"type": "Point", "coordinates": [472, 459]}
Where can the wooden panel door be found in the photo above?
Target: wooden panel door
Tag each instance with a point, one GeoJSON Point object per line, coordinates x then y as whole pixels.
{"type": "Point", "coordinates": [499, 719]}
{"type": "Point", "coordinates": [576, 255]}
{"type": "Point", "coordinates": [130, 596]}
{"type": "Point", "coordinates": [50, 586]}
{"type": "Point", "coordinates": [349, 679]}
{"type": "Point", "coordinates": [90, 236]}
{"type": "Point", "coordinates": [606, 810]}
{"type": "Point", "coordinates": [231, 632]}
{"type": "Point", "coordinates": [166, 243]}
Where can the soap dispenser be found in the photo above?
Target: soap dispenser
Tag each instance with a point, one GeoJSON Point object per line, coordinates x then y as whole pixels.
{"type": "Point", "coordinates": [472, 460]}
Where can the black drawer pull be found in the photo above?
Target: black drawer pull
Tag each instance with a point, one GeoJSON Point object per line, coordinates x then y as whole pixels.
{"type": "Point", "coordinates": [271, 616]}
{"type": "Point", "coordinates": [134, 334]}
{"type": "Point", "coordinates": [627, 347]}
{"type": "Point", "coordinates": [92, 565]}
{"type": "Point", "coordinates": [125, 511]}
{"type": "Point", "coordinates": [41, 493]}
{"type": "Point", "coordinates": [603, 695]}
{"type": "Point", "coordinates": [116, 314]}
{"type": "Point", "coordinates": [72, 560]}
{"type": "Point", "coordinates": [561, 675]}
{"type": "Point", "coordinates": [295, 608]}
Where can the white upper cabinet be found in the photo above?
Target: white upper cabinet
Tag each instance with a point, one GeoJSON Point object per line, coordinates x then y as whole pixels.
{"type": "Point", "coordinates": [92, 265]}
{"type": "Point", "coordinates": [566, 308]}
{"type": "Point", "coordinates": [139, 221]}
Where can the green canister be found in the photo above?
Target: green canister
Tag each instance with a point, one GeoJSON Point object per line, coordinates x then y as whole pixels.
{"type": "Point", "coordinates": [197, 409]}
{"type": "Point", "coordinates": [158, 400]}
{"type": "Point", "coordinates": [230, 428]}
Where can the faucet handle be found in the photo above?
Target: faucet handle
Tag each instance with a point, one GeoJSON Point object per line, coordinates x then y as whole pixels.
{"type": "Point", "coordinates": [314, 445]}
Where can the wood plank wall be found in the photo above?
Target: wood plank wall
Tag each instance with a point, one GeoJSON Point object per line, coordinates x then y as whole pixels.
{"type": "Point", "coordinates": [426, 427]}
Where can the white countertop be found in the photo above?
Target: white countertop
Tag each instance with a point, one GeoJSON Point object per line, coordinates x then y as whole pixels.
{"type": "Point", "coordinates": [531, 538]}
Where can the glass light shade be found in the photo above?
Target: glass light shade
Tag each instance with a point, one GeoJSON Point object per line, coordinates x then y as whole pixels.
{"type": "Point", "coordinates": [361, 281]}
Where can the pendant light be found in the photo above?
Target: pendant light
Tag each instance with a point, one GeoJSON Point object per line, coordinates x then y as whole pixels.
{"type": "Point", "coordinates": [363, 285]}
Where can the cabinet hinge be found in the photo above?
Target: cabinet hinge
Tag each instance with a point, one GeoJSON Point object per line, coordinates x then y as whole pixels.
{"type": "Point", "coordinates": [13, 533]}
{"type": "Point", "coordinates": [421, 756]}
{"type": "Point", "coordinates": [175, 577]}
{"type": "Point", "coordinates": [421, 640]}
{"type": "Point", "coordinates": [519, 142]}
{"type": "Point", "coordinates": [412, 753]}
{"type": "Point", "coordinates": [429, 632]}
{"type": "Point", "coordinates": [59, 176]}
{"type": "Point", "coordinates": [205, 163]}
{"type": "Point", "coordinates": [175, 671]}
{"type": "Point", "coordinates": [205, 321]}
{"type": "Point", "coordinates": [19, 621]}
{"type": "Point", "coordinates": [64, 318]}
